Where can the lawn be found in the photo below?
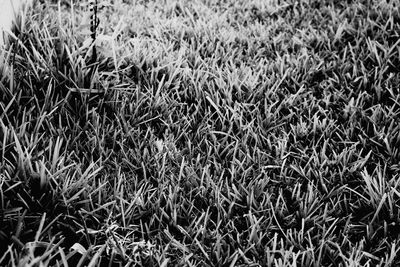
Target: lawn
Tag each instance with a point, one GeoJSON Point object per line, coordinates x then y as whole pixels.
{"type": "Point", "coordinates": [203, 133]}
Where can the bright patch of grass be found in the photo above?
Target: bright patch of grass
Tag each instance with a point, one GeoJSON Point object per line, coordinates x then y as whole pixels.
{"type": "Point", "coordinates": [208, 133]}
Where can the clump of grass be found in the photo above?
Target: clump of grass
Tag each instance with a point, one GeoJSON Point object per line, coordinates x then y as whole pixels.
{"type": "Point", "coordinates": [239, 133]}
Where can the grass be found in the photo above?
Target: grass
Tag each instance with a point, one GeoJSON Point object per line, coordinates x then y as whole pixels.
{"type": "Point", "coordinates": [208, 133]}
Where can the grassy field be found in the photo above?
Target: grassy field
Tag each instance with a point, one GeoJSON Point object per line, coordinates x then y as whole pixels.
{"type": "Point", "coordinates": [205, 133]}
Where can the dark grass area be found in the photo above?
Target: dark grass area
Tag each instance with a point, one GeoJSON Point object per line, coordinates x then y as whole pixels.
{"type": "Point", "coordinates": [214, 133]}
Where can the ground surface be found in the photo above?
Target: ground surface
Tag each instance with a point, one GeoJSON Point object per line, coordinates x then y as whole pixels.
{"type": "Point", "coordinates": [206, 133]}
